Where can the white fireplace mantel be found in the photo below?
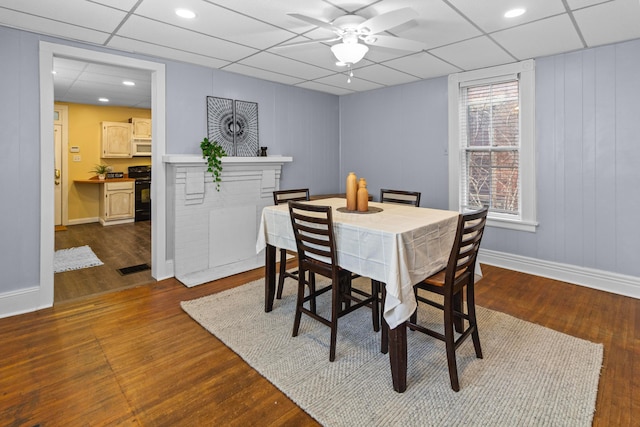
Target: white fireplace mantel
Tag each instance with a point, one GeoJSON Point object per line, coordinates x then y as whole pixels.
{"type": "Point", "coordinates": [215, 231]}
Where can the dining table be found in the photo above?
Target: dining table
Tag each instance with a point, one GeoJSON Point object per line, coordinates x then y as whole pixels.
{"type": "Point", "coordinates": [396, 244]}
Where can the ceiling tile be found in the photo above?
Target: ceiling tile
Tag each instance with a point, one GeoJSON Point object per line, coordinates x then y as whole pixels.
{"type": "Point", "coordinates": [540, 38]}
{"type": "Point", "coordinates": [46, 26]}
{"type": "Point", "coordinates": [217, 21]}
{"type": "Point", "coordinates": [262, 74]}
{"type": "Point", "coordinates": [77, 12]}
{"type": "Point", "coordinates": [578, 4]}
{"type": "Point", "coordinates": [489, 15]}
{"type": "Point", "coordinates": [357, 84]}
{"type": "Point", "coordinates": [423, 65]}
{"type": "Point", "coordinates": [471, 54]}
{"type": "Point", "coordinates": [325, 88]}
{"type": "Point", "coordinates": [279, 64]}
{"type": "Point", "coordinates": [136, 46]}
{"type": "Point", "coordinates": [625, 14]}
{"type": "Point", "coordinates": [154, 32]}
{"type": "Point", "coordinates": [384, 75]}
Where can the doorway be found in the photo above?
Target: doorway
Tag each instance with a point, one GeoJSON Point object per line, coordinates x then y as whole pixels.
{"type": "Point", "coordinates": [161, 268]}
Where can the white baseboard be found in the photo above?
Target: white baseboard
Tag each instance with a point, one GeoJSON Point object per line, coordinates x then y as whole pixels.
{"type": "Point", "coordinates": [78, 221]}
{"type": "Point", "coordinates": [597, 279]}
{"type": "Point", "coordinates": [20, 302]}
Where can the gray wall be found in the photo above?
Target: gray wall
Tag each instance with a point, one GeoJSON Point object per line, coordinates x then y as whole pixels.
{"type": "Point", "coordinates": [587, 145]}
{"type": "Point", "coordinates": [588, 154]}
{"type": "Point", "coordinates": [292, 122]}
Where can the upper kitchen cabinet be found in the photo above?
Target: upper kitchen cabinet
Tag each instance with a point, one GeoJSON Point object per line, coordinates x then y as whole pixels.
{"type": "Point", "coordinates": [116, 139]}
{"type": "Point", "coordinates": [141, 128]}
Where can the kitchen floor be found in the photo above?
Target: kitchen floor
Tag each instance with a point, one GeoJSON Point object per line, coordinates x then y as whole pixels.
{"type": "Point", "coordinates": [117, 246]}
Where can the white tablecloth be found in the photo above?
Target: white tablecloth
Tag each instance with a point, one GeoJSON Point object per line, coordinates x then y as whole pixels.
{"type": "Point", "coordinates": [399, 246]}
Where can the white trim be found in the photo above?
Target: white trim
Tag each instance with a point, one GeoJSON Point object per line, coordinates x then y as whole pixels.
{"type": "Point", "coordinates": [527, 136]}
{"type": "Point", "coordinates": [597, 279]}
{"type": "Point", "coordinates": [20, 302]}
{"type": "Point", "coordinates": [161, 268]}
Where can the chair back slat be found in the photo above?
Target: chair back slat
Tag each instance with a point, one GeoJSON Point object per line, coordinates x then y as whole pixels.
{"type": "Point", "coordinates": [283, 196]}
{"type": "Point", "coordinates": [464, 253]}
{"type": "Point", "coordinates": [313, 231]}
{"type": "Point", "coordinates": [400, 196]}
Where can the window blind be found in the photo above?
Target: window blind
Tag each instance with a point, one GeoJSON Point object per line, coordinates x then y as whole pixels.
{"type": "Point", "coordinates": [490, 146]}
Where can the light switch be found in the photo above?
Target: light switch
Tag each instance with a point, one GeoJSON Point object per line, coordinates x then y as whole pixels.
{"type": "Point", "coordinates": [74, 149]}
{"type": "Point", "coordinates": [77, 158]}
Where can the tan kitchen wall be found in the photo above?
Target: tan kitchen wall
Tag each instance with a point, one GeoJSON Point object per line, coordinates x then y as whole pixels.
{"type": "Point", "coordinates": [85, 133]}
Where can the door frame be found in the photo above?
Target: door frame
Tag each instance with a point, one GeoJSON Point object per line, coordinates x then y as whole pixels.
{"type": "Point", "coordinates": [161, 268]}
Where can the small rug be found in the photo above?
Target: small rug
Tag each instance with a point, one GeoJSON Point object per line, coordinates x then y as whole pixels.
{"type": "Point", "coordinates": [530, 375]}
{"type": "Point", "coordinates": [74, 259]}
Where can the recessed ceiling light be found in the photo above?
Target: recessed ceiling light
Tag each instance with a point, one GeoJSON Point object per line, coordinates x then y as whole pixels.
{"type": "Point", "coordinates": [185, 13]}
{"type": "Point", "coordinates": [128, 83]}
{"type": "Point", "coordinates": [54, 72]}
{"type": "Point", "coordinates": [514, 12]}
{"type": "Point", "coordinates": [103, 99]}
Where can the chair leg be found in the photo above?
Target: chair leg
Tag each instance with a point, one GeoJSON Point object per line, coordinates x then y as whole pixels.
{"type": "Point", "coordinates": [458, 306]}
{"type": "Point", "coordinates": [450, 343]}
{"type": "Point", "coordinates": [336, 303]}
{"type": "Point", "coordinates": [384, 339]}
{"type": "Point", "coordinates": [471, 309]}
{"type": "Point", "coordinates": [283, 269]}
{"type": "Point", "coordinates": [375, 305]}
{"type": "Point", "coordinates": [299, 303]}
{"type": "Point", "coordinates": [312, 290]}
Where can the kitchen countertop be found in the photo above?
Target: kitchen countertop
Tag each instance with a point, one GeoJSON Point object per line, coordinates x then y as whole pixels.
{"type": "Point", "coordinates": [95, 180]}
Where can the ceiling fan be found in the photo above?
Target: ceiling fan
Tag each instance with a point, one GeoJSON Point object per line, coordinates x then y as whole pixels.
{"type": "Point", "coordinates": [352, 29]}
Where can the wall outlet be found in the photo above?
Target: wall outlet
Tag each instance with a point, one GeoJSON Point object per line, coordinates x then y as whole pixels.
{"type": "Point", "coordinates": [77, 158]}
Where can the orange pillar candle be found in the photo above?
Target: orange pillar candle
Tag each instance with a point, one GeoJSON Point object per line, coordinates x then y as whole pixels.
{"type": "Point", "coordinates": [352, 190]}
{"type": "Point", "coordinates": [363, 196]}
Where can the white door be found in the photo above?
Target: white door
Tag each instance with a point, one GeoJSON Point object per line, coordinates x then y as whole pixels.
{"type": "Point", "coordinates": [57, 173]}
{"type": "Point", "coordinates": [60, 114]}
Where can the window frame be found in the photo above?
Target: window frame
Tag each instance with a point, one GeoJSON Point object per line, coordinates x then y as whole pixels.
{"type": "Point", "coordinates": [525, 72]}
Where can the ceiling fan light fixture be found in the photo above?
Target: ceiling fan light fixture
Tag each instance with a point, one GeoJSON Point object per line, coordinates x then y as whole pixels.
{"type": "Point", "coordinates": [349, 53]}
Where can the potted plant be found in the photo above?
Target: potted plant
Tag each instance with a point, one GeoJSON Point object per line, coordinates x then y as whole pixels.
{"type": "Point", "coordinates": [213, 152]}
{"type": "Point", "coordinates": [101, 170]}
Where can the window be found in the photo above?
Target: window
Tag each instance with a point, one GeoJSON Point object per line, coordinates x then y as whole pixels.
{"type": "Point", "coordinates": [492, 144]}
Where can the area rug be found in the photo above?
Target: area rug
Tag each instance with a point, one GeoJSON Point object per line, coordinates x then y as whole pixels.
{"type": "Point", "coordinates": [74, 259]}
{"type": "Point", "coordinates": [530, 375]}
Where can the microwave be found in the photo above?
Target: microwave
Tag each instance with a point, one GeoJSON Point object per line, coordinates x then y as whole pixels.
{"type": "Point", "coordinates": [141, 147]}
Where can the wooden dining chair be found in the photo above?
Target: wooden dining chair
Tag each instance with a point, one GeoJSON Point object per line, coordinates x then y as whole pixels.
{"type": "Point", "coordinates": [450, 284]}
{"type": "Point", "coordinates": [396, 196]}
{"type": "Point", "coordinates": [316, 244]}
{"type": "Point", "coordinates": [283, 196]}
{"type": "Point", "coordinates": [399, 196]}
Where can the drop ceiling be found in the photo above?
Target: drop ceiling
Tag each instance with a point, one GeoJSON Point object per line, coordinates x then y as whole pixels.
{"type": "Point", "coordinates": [242, 36]}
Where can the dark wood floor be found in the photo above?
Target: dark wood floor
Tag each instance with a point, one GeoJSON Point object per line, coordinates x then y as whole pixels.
{"type": "Point", "coordinates": [117, 246]}
{"type": "Point", "coordinates": [133, 357]}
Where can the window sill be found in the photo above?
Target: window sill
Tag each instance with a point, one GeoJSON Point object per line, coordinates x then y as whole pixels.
{"type": "Point", "coordinates": [512, 225]}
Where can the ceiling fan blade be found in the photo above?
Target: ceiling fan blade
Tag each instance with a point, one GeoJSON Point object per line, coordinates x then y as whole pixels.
{"type": "Point", "coordinates": [307, 42]}
{"type": "Point", "coordinates": [394, 43]}
{"type": "Point", "coordinates": [388, 20]}
{"type": "Point", "coordinates": [314, 21]}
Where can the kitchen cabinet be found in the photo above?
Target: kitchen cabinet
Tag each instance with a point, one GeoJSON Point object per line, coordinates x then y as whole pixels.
{"type": "Point", "coordinates": [117, 202]}
{"type": "Point", "coordinates": [141, 143]}
{"type": "Point", "coordinates": [116, 140]}
{"type": "Point", "coordinates": [141, 128]}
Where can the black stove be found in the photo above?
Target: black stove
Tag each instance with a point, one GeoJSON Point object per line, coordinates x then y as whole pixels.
{"type": "Point", "coordinates": [142, 193]}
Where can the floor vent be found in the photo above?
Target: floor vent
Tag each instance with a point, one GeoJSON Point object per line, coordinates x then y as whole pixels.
{"type": "Point", "coordinates": [133, 269]}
